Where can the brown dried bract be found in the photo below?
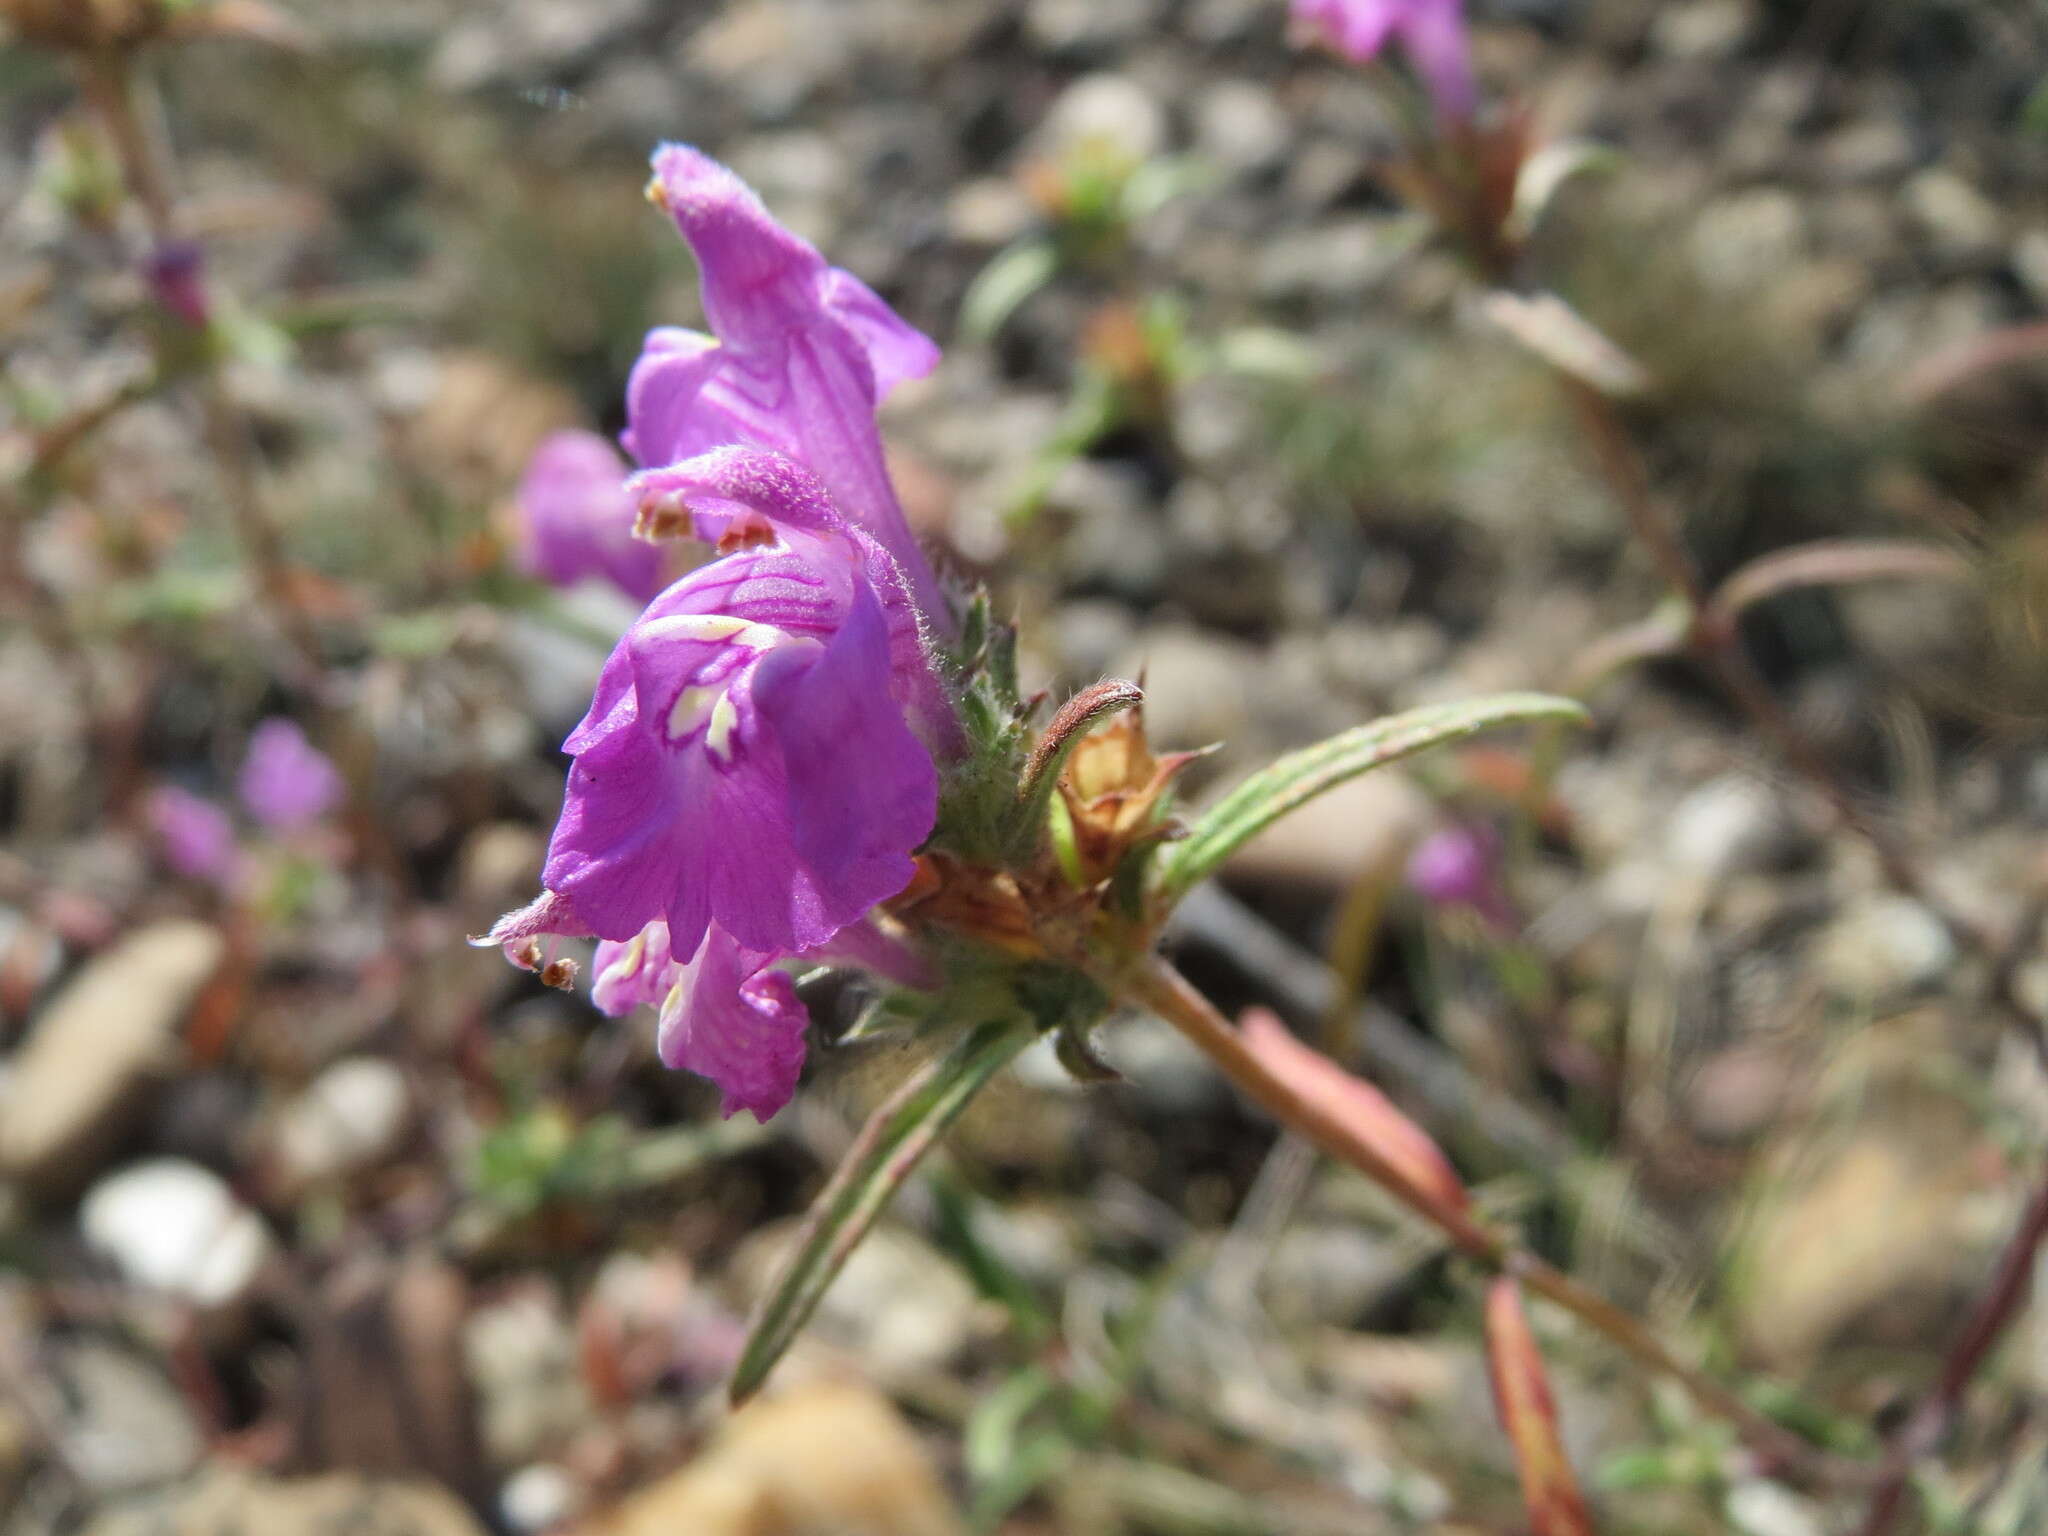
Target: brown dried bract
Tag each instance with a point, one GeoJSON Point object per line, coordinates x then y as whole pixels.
{"type": "Point", "coordinates": [1115, 791]}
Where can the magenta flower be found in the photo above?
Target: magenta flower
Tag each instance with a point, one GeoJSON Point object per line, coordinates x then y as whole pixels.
{"type": "Point", "coordinates": [285, 782]}
{"type": "Point", "coordinates": [195, 835]}
{"type": "Point", "coordinates": [1459, 866]}
{"type": "Point", "coordinates": [576, 518]}
{"type": "Point", "coordinates": [748, 776]}
{"type": "Point", "coordinates": [175, 272]}
{"type": "Point", "coordinates": [1432, 32]}
{"type": "Point", "coordinates": [800, 355]}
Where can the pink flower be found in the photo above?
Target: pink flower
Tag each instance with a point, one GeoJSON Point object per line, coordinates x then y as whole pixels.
{"type": "Point", "coordinates": [195, 835]}
{"type": "Point", "coordinates": [576, 518]}
{"type": "Point", "coordinates": [748, 782]}
{"type": "Point", "coordinates": [175, 272]}
{"type": "Point", "coordinates": [1432, 32]}
{"type": "Point", "coordinates": [286, 784]}
{"type": "Point", "coordinates": [1459, 866]}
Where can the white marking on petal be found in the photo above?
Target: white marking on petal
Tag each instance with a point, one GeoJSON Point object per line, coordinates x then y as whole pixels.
{"type": "Point", "coordinates": [690, 708]}
{"type": "Point", "coordinates": [724, 721]}
{"type": "Point", "coordinates": [628, 962]}
{"type": "Point", "coordinates": [706, 626]}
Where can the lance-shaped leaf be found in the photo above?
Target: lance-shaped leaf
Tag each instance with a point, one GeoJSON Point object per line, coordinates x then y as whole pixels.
{"type": "Point", "coordinates": [1299, 777]}
{"type": "Point", "coordinates": [1363, 1114]}
{"type": "Point", "coordinates": [1528, 1412]}
{"type": "Point", "coordinates": [1001, 287]}
{"type": "Point", "coordinates": [1558, 334]}
{"type": "Point", "coordinates": [1835, 563]}
{"type": "Point", "coordinates": [889, 1147]}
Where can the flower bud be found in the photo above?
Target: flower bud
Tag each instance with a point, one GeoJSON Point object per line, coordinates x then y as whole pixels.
{"type": "Point", "coordinates": [175, 272]}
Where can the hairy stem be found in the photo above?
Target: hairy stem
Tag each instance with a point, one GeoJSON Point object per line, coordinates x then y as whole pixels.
{"type": "Point", "coordinates": [1160, 987]}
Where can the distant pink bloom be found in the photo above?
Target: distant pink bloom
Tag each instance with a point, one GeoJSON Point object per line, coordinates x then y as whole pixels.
{"type": "Point", "coordinates": [800, 355]}
{"type": "Point", "coordinates": [176, 275]}
{"type": "Point", "coordinates": [195, 835]}
{"type": "Point", "coordinates": [285, 782]}
{"type": "Point", "coordinates": [1432, 32]}
{"type": "Point", "coordinates": [1459, 866]}
{"type": "Point", "coordinates": [576, 518]}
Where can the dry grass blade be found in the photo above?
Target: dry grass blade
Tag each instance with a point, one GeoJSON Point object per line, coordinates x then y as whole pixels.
{"type": "Point", "coordinates": [1835, 563]}
{"type": "Point", "coordinates": [1528, 1412]}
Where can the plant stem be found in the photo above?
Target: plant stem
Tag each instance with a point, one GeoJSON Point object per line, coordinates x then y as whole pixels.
{"type": "Point", "coordinates": [108, 84]}
{"type": "Point", "coordinates": [1160, 987]}
{"type": "Point", "coordinates": [1717, 646]}
{"type": "Point", "coordinates": [2003, 1300]}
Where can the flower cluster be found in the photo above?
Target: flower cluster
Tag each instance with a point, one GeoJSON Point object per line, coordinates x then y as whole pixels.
{"type": "Point", "coordinates": [761, 757]}
{"type": "Point", "coordinates": [286, 784]}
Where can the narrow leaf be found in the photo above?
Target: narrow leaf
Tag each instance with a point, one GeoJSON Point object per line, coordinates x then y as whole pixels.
{"type": "Point", "coordinates": [1835, 563]}
{"type": "Point", "coordinates": [1552, 330]}
{"type": "Point", "coordinates": [1011, 277]}
{"type": "Point", "coordinates": [1298, 778]}
{"type": "Point", "coordinates": [1528, 1412]}
{"type": "Point", "coordinates": [889, 1147]}
{"type": "Point", "coordinates": [1544, 172]}
{"type": "Point", "coordinates": [1358, 1110]}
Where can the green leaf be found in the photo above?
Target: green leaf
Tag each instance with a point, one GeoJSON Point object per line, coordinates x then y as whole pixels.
{"type": "Point", "coordinates": [882, 1158]}
{"type": "Point", "coordinates": [1298, 778]}
{"type": "Point", "coordinates": [1012, 276]}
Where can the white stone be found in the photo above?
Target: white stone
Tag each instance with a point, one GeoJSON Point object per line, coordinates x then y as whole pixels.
{"type": "Point", "coordinates": [1884, 944]}
{"type": "Point", "coordinates": [173, 1226]}
{"type": "Point", "coordinates": [1757, 1508]}
{"type": "Point", "coordinates": [539, 1497]}
{"type": "Point", "coordinates": [1961, 221]}
{"type": "Point", "coordinates": [348, 1118]}
{"type": "Point", "coordinates": [1242, 125]}
{"type": "Point", "coordinates": [1112, 110]}
{"type": "Point", "coordinates": [1727, 824]}
{"type": "Point", "coordinates": [91, 1052]}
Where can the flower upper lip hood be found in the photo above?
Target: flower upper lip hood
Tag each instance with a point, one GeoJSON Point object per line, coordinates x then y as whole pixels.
{"type": "Point", "coordinates": [800, 355]}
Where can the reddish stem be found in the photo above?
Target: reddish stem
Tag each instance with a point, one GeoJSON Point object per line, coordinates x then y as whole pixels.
{"type": "Point", "coordinates": [2003, 1300]}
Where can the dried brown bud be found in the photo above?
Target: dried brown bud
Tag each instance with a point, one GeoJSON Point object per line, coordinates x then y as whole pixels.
{"type": "Point", "coordinates": [1115, 792]}
{"type": "Point", "coordinates": [987, 905]}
